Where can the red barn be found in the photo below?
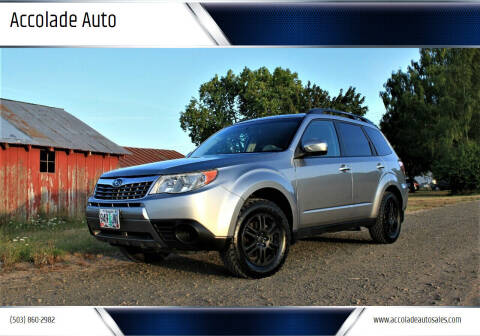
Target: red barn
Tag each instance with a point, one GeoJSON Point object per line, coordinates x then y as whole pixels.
{"type": "Point", "coordinates": [140, 156]}
{"type": "Point", "coordinates": [49, 160]}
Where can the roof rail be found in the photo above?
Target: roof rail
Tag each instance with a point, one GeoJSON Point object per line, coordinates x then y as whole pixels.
{"type": "Point", "coordinates": [340, 113]}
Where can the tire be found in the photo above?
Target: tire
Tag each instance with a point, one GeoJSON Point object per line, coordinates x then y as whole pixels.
{"type": "Point", "coordinates": [138, 255]}
{"type": "Point", "coordinates": [388, 223]}
{"type": "Point", "coordinates": [261, 241]}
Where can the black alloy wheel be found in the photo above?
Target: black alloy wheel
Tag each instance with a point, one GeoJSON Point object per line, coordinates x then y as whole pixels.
{"type": "Point", "coordinates": [391, 218]}
{"type": "Point", "coordinates": [386, 228]}
{"type": "Point", "coordinates": [261, 241]}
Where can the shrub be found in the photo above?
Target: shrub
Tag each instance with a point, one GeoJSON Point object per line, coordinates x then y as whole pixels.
{"type": "Point", "coordinates": [460, 167]}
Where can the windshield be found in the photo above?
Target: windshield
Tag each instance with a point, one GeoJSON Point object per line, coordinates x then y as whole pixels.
{"type": "Point", "coordinates": [272, 135]}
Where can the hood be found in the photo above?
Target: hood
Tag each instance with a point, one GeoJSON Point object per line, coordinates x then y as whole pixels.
{"type": "Point", "coordinates": [185, 165]}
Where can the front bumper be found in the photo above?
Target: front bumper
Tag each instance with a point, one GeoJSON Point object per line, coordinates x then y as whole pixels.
{"type": "Point", "coordinates": [161, 221]}
{"type": "Point", "coordinates": [136, 229]}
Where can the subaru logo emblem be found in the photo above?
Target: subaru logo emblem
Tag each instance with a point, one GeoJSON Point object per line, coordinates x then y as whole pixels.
{"type": "Point", "coordinates": [117, 182]}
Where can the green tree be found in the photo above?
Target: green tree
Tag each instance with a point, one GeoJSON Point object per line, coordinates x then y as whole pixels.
{"type": "Point", "coordinates": [216, 107]}
{"type": "Point", "coordinates": [461, 168]}
{"type": "Point", "coordinates": [314, 96]}
{"type": "Point", "coordinates": [263, 93]}
{"type": "Point", "coordinates": [225, 100]}
{"type": "Point", "coordinates": [433, 111]}
{"type": "Point", "coordinates": [405, 122]}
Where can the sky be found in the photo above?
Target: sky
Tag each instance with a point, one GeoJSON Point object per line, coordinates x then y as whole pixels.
{"type": "Point", "coordinates": [134, 96]}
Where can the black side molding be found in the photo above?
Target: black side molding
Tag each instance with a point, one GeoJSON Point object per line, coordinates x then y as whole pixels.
{"type": "Point", "coordinates": [334, 227]}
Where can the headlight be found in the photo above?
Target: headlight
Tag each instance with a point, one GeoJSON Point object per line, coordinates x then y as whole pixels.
{"type": "Point", "coordinates": [179, 183]}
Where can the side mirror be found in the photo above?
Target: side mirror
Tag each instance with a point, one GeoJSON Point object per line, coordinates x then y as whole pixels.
{"type": "Point", "coordinates": [315, 148]}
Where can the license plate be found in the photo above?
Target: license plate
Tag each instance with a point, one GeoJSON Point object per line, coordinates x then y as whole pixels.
{"type": "Point", "coordinates": [109, 218]}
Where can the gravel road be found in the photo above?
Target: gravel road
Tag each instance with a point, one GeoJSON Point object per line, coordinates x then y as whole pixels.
{"type": "Point", "coordinates": [435, 262]}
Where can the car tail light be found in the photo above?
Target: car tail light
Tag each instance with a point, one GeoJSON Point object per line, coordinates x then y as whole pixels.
{"type": "Point", "coordinates": [402, 167]}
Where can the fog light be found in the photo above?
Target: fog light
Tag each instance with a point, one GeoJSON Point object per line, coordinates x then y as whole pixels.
{"type": "Point", "coordinates": [186, 234]}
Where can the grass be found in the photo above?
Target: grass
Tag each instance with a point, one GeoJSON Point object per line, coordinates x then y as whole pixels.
{"type": "Point", "coordinates": [424, 200]}
{"type": "Point", "coordinates": [44, 241]}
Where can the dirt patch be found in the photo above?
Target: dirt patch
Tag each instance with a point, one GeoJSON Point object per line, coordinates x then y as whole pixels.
{"type": "Point", "coordinates": [435, 262]}
{"type": "Point", "coordinates": [434, 199]}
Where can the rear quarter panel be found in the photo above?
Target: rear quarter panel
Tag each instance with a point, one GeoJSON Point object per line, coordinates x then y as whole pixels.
{"type": "Point", "coordinates": [393, 177]}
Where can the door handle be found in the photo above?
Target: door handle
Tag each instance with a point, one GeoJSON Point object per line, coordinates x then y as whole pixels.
{"type": "Point", "coordinates": [380, 166]}
{"type": "Point", "coordinates": [344, 168]}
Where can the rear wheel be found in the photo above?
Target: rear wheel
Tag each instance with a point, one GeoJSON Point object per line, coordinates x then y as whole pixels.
{"type": "Point", "coordinates": [139, 255]}
{"type": "Point", "coordinates": [261, 242]}
{"type": "Point", "coordinates": [388, 223]}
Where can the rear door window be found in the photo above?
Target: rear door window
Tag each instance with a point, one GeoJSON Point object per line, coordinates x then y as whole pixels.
{"type": "Point", "coordinates": [379, 141]}
{"type": "Point", "coordinates": [323, 131]}
{"type": "Point", "coordinates": [353, 140]}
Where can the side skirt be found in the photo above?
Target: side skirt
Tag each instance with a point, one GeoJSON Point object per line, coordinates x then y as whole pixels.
{"type": "Point", "coordinates": [334, 227]}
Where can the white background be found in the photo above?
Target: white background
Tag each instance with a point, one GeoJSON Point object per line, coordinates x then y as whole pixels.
{"type": "Point", "coordinates": [137, 25]}
{"type": "Point", "coordinates": [68, 321]}
{"type": "Point", "coordinates": [364, 325]}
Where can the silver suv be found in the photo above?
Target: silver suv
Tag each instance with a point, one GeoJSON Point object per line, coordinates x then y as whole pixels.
{"type": "Point", "coordinates": [253, 189]}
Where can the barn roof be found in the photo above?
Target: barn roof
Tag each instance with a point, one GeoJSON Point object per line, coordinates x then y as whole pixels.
{"type": "Point", "coordinates": [147, 155]}
{"type": "Point", "coordinates": [39, 125]}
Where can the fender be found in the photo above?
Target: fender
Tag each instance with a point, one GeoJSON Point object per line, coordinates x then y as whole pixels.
{"type": "Point", "coordinates": [261, 178]}
{"type": "Point", "coordinates": [387, 180]}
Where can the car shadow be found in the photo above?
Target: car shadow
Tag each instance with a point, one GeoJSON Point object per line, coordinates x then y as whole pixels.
{"type": "Point", "coordinates": [188, 263]}
{"type": "Point", "coordinates": [183, 261]}
{"type": "Point", "coordinates": [180, 262]}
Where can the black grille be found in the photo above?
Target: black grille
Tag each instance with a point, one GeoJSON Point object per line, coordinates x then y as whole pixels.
{"type": "Point", "coordinates": [124, 192]}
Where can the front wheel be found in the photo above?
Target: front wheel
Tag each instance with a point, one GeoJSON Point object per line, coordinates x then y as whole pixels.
{"type": "Point", "coordinates": [142, 256]}
{"type": "Point", "coordinates": [261, 241]}
{"type": "Point", "coordinates": [388, 223]}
